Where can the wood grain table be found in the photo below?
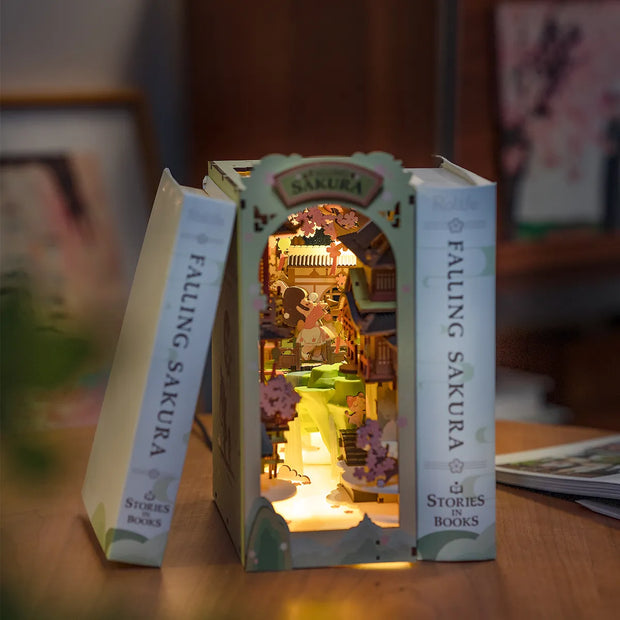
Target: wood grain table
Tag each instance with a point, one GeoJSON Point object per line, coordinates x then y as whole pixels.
{"type": "Point", "coordinates": [556, 559]}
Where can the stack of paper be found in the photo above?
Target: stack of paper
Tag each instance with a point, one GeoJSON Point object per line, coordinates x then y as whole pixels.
{"type": "Point", "coordinates": [587, 468]}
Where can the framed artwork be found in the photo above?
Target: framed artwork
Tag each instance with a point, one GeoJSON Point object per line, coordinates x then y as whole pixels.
{"type": "Point", "coordinates": [559, 95]}
{"type": "Point", "coordinates": [76, 176]}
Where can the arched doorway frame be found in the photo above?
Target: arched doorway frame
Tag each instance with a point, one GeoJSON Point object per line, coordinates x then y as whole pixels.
{"type": "Point", "coordinates": [386, 197]}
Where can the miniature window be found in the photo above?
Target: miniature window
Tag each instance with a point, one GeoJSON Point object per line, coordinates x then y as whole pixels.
{"type": "Point", "coordinates": [328, 368]}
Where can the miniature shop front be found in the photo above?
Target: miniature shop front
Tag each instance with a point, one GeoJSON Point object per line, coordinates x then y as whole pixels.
{"type": "Point", "coordinates": [314, 460]}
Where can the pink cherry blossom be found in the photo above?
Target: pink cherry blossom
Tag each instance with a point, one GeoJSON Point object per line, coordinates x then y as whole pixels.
{"type": "Point", "coordinates": [278, 399]}
{"type": "Point", "coordinates": [379, 466]}
{"type": "Point", "coordinates": [347, 220]}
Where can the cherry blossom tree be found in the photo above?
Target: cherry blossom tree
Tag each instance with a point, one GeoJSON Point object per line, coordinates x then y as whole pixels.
{"type": "Point", "coordinates": [558, 74]}
{"type": "Point", "coordinates": [379, 466]}
{"type": "Point", "coordinates": [278, 400]}
{"type": "Point", "coordinates": [324, 217]}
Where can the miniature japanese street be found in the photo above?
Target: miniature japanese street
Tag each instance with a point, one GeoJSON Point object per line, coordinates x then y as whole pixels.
{"type": "Point", "coordinates": [327, 366]}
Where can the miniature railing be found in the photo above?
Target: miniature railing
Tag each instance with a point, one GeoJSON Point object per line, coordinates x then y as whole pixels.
{"type": "Point", "coordinates": [364, 365]}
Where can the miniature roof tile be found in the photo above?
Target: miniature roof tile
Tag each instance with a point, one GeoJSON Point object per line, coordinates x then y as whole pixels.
{"type": "Point", "coordinates": [372, 323]}
{"type": "Point", "coordinates": [370, 246]}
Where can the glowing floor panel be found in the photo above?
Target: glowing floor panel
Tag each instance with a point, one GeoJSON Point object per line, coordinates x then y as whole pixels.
{"type": "Point", "coordinates": [322, 505]}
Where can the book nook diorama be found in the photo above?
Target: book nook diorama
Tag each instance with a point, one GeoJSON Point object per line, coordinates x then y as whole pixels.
{"type": "Point", "coordinates": [353, 365]}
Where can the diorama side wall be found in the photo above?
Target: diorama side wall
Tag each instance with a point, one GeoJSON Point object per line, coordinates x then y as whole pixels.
{"type": "Point", "coordinates": [226, 405]}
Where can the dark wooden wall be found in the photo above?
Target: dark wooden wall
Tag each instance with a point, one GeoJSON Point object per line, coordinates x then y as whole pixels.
{"type": "Point", "coordinates": [313, 77]}
{"type": "Point", "coordinates": [477, 118]}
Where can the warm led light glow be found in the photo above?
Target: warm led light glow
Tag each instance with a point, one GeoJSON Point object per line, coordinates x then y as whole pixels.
{"type": "Point", "coordinates": [310, 510]}
{"type": "Point", "coordinates": [384, 566]}
{"type": "Point", "coordinates": [321, 505]}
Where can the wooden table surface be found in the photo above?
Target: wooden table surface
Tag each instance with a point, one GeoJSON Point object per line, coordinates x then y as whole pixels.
{"type": "Point", "coordinates": [555, 558]}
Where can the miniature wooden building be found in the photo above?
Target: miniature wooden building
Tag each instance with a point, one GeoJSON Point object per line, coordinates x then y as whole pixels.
{"type": "Point", "coordinates": [368, 309]}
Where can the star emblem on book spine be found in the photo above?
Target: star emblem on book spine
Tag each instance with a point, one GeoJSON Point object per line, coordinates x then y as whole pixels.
{"type": "Point", "coordinates": [456, 466]}
{"type": "Point", "coordinates": [456, 225]}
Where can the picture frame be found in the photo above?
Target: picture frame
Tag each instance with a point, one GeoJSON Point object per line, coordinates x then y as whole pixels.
{"type": "Point", "coordinates": [77, 176]}
{"type": "Point", "coordinates": [114, 128]}
{"type": "Point", "coordinates": [559, 114]}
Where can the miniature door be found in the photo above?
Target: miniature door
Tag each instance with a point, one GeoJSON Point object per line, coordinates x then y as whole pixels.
{"type": "Point", "coordinates": [314, 386]}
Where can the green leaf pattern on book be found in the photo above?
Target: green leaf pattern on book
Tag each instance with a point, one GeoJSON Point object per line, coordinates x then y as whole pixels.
{"type": "Point", "coordinates": [115, 534]}
{"type": "Point", "coordinates": [458, 545]}
{"type": "Point", "coordinates": [161, 486]}
{"type": "Point", "coordinates": [136, 549]}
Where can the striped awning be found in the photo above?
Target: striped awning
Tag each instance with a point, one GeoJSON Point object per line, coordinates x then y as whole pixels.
{"type": "Point", "coordinates": [317, 256]}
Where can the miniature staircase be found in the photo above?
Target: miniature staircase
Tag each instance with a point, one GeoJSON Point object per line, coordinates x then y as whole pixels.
{"type": "Point", "coordinates": [353, 456]}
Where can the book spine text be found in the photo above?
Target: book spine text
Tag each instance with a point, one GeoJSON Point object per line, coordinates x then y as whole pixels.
{"type": "Point", "coordinates": [455, 351]}
{"type": "Point", "coordinates": [183, 333]}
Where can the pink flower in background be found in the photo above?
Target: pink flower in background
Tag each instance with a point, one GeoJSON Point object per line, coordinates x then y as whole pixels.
{"type": "Point", "coordinates": [513, 158]}
{"type": "Point", "coordinates": [557, 64]}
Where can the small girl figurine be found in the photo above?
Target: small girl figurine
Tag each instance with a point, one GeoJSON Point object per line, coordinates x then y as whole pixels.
{"type": "Point", "coordinates": [307, 313]}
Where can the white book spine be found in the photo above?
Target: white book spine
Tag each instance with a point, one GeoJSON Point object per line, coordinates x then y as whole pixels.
{"type": "Point", "coordinates": [177, 363]}
{"type": "Point", "coordinates": [144, 426]}
{"type": "Point", "coordinates": [455, 349]}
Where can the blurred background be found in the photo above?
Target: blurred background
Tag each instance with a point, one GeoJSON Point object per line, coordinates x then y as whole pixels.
{"type": "Point", "coordinates": [99, 96]}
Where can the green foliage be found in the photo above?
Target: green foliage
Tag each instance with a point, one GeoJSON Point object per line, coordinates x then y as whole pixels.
{"type": "Point", "coordinates": [36, 359]}
{"type": "Point", "coordinates": [319, 238]}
